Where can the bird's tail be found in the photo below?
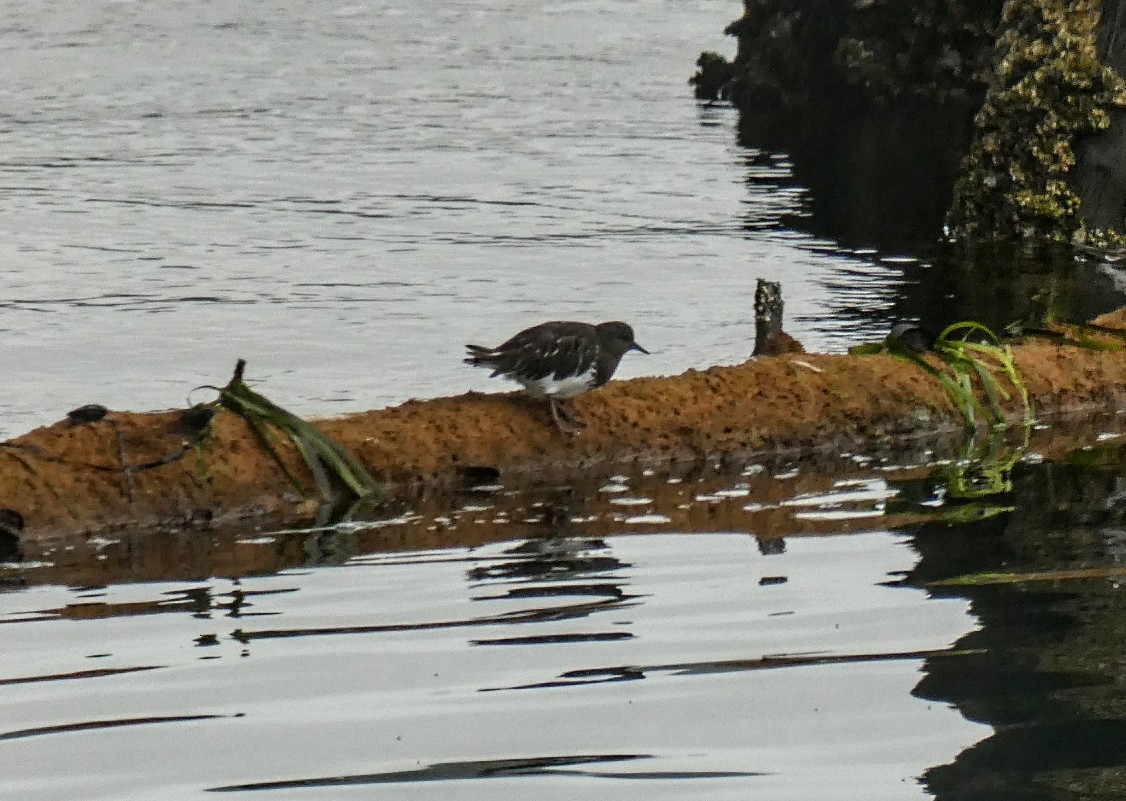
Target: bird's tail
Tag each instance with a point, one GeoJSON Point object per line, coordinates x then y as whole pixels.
{"type": "Point", "coordinates": [479, 356]}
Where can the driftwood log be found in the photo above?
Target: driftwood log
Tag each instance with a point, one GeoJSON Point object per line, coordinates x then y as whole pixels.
{"type": "Point", "coordinates": [65, 479]}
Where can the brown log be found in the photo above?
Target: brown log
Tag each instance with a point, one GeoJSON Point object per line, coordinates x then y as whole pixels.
{"type": "Point", "coordinates": [64, 479]}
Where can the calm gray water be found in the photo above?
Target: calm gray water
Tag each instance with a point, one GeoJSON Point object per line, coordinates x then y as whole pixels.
{"type": "Point", "coordinates": [781, 633]}
{"type": "Point", "coordinates": [641, 664]}
{"type": "Point", "coordinates": [346, 193]}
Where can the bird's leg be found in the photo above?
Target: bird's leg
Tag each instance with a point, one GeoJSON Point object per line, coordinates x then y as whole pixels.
{"type": "Point", "coordinates": [561, 410]}
{"type": "Point", "coordinates": [570, 414]}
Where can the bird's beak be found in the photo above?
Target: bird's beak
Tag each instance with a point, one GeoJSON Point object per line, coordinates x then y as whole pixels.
{"type": "Point", "coordinates": [635, 346]}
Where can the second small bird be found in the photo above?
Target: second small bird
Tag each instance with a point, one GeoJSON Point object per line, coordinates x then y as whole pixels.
{"type": "Point", "coordinates": [559, 360]}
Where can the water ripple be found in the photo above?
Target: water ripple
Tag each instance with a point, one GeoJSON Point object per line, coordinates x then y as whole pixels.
{"type": "Point", "coordinates": [492, 769]}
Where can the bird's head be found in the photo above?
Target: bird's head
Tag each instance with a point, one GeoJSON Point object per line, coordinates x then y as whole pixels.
{"type": "Point", "coordinates": [618, 336]}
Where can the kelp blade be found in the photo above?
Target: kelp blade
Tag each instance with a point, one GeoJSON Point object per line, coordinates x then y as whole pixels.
{"type": "Point", "coordinates": [325, 458]}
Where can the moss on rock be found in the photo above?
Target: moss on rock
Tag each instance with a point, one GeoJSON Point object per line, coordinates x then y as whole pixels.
{"type": "Point", "coordinates": [1051, 89]}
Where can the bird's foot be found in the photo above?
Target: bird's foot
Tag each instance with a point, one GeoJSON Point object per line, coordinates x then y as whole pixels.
{"type": "Point", "coordinates": [565, 418]}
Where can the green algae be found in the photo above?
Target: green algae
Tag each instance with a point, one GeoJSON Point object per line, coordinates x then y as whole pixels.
{"type": "Point", "coordinates": [966, 350]}
{"type": "Point", "coordinates": [333, 468]}
{"type": "Point", "coordinates": [1051, 89]}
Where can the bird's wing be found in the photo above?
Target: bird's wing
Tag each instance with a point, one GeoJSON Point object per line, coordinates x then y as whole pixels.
{"type": "Point", "coordinates": [540, 352]}
{"type": "Point", "coordinates": [573, 355]}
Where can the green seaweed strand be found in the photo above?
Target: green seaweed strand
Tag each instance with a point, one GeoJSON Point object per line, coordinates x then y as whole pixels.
{"type": "Point", "coordinates": [966, 360]}
{"type": "Point", "coordinates": [330, 464]}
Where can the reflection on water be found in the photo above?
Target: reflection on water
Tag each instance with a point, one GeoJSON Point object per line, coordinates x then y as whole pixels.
{"type": "Point", "coordinates": [1047, 663]}
{"type": "Point", "coordinates": [883, 179]}
{"type": "Point", "coordinates": [495, 769]}
{"type": "Point", "coordinates": [787, 632]}
{"type": "Point", "coordinates": [878, 189]}
{"type": "Point", "coordinates": [659, 660]}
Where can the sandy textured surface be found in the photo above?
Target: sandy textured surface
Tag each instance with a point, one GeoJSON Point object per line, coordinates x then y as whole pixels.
{"type": "Point", "coordinates": [68, 479]}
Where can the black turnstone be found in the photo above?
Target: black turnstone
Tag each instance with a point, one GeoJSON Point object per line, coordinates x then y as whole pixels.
{"type": "Point", "coordinates": [84, 415]}
{"type": "Point", "coordinates": [912, 336]}
{"type": "Point", "coordinates": [559, 360]}
{"type": "Point", "coordinates": [193, 422]}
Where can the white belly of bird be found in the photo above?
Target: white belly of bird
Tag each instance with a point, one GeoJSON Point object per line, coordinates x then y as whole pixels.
{"type": "Point", "coordinates": [559, 388]}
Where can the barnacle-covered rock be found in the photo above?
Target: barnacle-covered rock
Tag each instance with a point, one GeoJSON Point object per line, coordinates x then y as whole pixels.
{"type": "Point", "coordinates": [1051, 89]}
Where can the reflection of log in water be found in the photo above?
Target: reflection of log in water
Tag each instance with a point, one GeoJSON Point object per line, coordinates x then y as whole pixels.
{"type": "Point", "coordinates": [1046, 666]}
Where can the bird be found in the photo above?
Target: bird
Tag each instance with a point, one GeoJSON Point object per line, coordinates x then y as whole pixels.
{"type": "Point", "coordinates": [558, 360]}
{"type": "Point", "coordinates": [912, 336]}
{"type": "Point", "coordinates": [90, 413]}
{"type": "Point", "coordinates": [193, 422]}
